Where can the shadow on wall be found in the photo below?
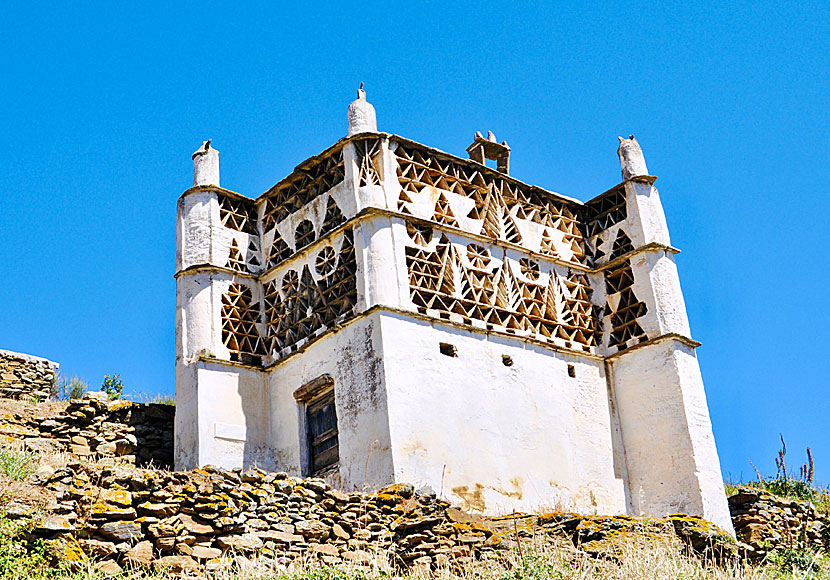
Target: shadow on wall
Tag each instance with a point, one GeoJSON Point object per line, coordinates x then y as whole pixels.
{"type": "Point", "coordinates": [618, 450]}
{"type": "Point", "coordinates": [152, 426]}
{"type": "Point", "coordinates": [256, 448]}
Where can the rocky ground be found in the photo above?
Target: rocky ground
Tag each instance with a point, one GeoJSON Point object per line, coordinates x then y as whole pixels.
{"type": "Point", "coordinates": [763, 521]}
{"type": "Point", "coordinates": [89, 502]}
{"type": "Point", "coordinates": [123, 516]}
{"type": "Point", "coordinates": [25, 377]}
{"type": "Point", "coordinates": [94, 426]}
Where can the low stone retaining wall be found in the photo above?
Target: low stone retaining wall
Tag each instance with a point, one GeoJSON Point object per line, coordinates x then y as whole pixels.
{"type": "Point", "coordinates": [205, 519]}
{"type": "Point", "coordinates": [763, 520]}
{"type": "Point", "coordinates": [135, 433]}
{"type": "Point", "coordinates": [26, 377]}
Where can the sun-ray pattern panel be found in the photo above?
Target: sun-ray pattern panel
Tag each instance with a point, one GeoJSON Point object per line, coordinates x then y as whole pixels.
{"type": "Point", "coordinates": [300, 305]}
{"type": "Point", "coordinates": [468, 284]}
{"type": "Point", "coordinates": [498, 207]}
{"type": "Point", "coordinates": [368, 157]}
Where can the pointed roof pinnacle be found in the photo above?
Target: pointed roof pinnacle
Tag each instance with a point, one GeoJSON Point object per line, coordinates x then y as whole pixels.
{"type": "Point", "coordinates": [632, 161]}
{"type": "Point", "coordinates": [206, 165]}
{"type": "Point", "coordinates": [361, 115]}
{"type": "Point", "coordinates": [204, 148]}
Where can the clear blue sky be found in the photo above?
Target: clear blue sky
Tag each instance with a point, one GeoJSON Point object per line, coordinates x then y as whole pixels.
{"type": "Point", "coordinates": [101, 108]}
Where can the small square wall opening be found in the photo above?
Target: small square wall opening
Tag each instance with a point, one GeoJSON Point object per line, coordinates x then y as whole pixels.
{"type": "Point", "coordinates": [448, 349]}
{"type": "Point", "coordinates": [572, 371]}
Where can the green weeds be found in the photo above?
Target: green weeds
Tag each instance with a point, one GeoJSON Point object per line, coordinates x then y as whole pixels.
{"type": "Point", "coordinates": [17, 464]}
{"type": "Point", "coordinates": [72, 388]}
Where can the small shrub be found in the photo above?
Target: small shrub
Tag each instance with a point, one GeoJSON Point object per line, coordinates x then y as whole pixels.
{"type": "Point", "coordinates": [731, 487]}
{"type": "Point", "coordinates": [532, 566]}
{"type": "Point", "coordinates": [791, 488]}
{"type": "Point", "coordinates": [791, 561]}
{"type": "Point", "coordinates": [785, 485]}
{"type": "Point", "coordinates": [73, 388]}
{"type": "Point", "coordinates": [164, 399]}
{"type": "Point", "coordinates": [17, 560]}
{"type": "Point", "coordinates": [18, 464]}
{"type": "Point", "coordinates": [328, 573]}
{"type": "Point", "coordinates": [113, 386]}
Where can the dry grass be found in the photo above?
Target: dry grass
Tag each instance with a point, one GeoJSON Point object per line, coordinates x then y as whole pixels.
{"type": "Point", "coordinates": [635, 558]}
{"type": "Point", "coordinates": [638, 559]}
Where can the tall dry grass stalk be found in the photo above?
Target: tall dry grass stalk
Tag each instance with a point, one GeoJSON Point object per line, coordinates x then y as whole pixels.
{"type": "Point", "coordinates": [636, 559]}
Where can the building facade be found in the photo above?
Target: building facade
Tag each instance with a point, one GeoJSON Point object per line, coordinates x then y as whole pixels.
{"type": "Point", "coordinates": [393, 313]}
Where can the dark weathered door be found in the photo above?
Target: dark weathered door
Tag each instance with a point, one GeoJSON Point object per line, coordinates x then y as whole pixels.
{"type": "Point", "coordinates": [322, 433]}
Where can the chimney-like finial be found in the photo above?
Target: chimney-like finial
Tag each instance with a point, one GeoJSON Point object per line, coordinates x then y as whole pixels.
{"type": "Point", "coordinates": [361, 115]}
{"type": "Point", "coordinates": [206, 165]}
{"type": "Point", "coordinates": [489, 148]}
{"type": "Point", "coordinates": [632, 161]}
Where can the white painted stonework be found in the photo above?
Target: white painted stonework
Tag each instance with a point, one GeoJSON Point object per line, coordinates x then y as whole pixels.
{"type": "Point", "coordinates": [504, 346]}
{"type": "Point", "coordinates": [206, 165]}
{"type": "Point", "coordinates": [361, 115]}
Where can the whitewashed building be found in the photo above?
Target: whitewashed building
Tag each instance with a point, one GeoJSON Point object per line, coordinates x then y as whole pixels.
{"type": "Point", "coordinates": [390, 313]}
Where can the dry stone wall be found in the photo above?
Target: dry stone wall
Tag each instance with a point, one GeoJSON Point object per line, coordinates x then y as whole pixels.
{"type": "Point", "coordinates": [103, 507]}
{"type": "Point", "coordinates": [94, 427]}
{"type": "Point", "coordinates": [208, 518]}
{"type": "Point", "coordinates": [26, 377]}
{"type": "Point", "coordinates": [764, 521]}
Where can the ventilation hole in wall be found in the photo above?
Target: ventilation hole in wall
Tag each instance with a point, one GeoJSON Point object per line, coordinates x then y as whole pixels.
{"type": "Point", "coordinates": [448, 349]}
{"type": "Point", "coordinates": [507, 360]}
{"type": "Point", "coordinates": [571, 371]}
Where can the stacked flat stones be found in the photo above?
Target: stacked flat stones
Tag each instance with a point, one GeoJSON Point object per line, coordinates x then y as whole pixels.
{"type": "Point", "coordinates": [135, 433]}
{"type": "Point", "coordinates": [763, 520]}
{"type": "Point", "coordinates": [106, 509]}
{"type": "Point", "coordinates": [190, 520]}
{"type": "Point", "coordinates": [208, 518]}
{"type": "Point", "coordinates": [25, 378]}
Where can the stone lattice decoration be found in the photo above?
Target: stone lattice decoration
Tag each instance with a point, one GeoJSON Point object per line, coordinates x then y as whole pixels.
{"type": "Point", "coordinates": [239, 324]}
{"type": "Point", "coordinates": [311, 180]}
{"type": "Point", "coordinates": [299, 305]}
{"type": "Point", "coordinates": [511, 296]}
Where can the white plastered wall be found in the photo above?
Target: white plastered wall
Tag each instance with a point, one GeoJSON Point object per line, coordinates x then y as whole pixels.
{"type": "Point", "coordinates": [493, 437]}
{"type": "Point", "coordinates": [656, 282]}
{"type": "Point", "coordinates": [233, 411]}
{"type": "Point", "coordinates": [646, 211]}
{"type": "Point", "coordinates": [670, 451]}
{"type": "Point", "coordinates": [353, 358]}
{"type": "Point", "coordinates": [208, 393]}
{"type": "Point", "coordinates": [194, 230]}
